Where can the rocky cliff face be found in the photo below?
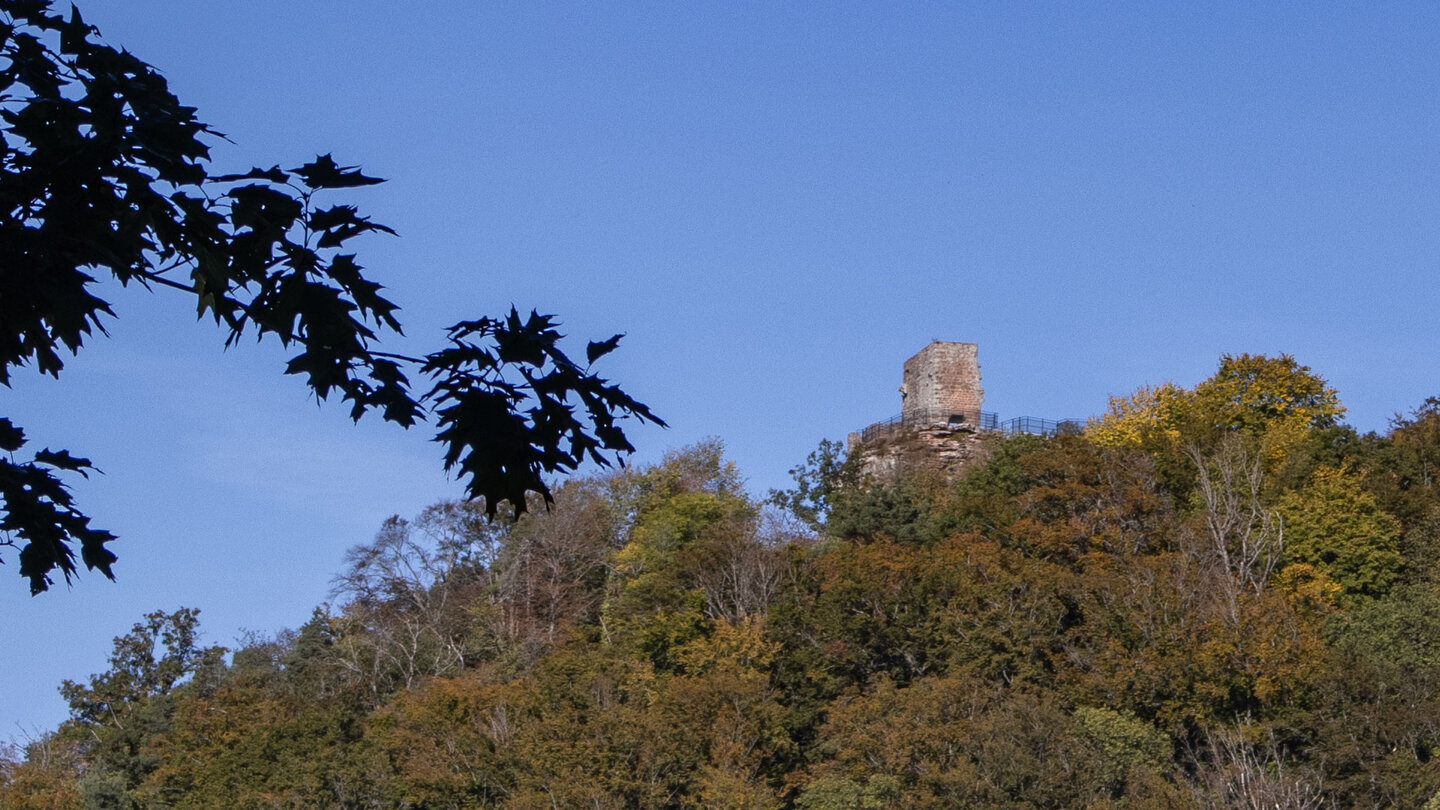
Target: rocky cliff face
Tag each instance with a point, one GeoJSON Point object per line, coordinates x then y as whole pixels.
{"type": "Point", "coordinates": [949, 450]}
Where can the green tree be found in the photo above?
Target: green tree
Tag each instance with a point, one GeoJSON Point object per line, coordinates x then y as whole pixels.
{"type": "Point", "coordinates": [1337, 527]}
{"type": "Point", "coordinates": [118, 718]}
{"type": "Point", "coordinates": [724, 700]}
{"type": "Point", "coordinates": [147, 662]}
{"type": "Point", "coordinates": [1124, 748]}
{"type": "Point", "coordinates": [680, 515]}
{"type": "Point", "coordinates": [901, 509]}
{"type": "Point", "coordinates": [249, 744]}
{"type": "Point", "coordinates": [953, 741]}
{"type": "Point", "coordinates": [106, 173]}
{"type": "Point", "coordinates": [1405, 472]}
{"type": "Point", "coordinates": [1382, 700]}
{"type": "Point", "coordinates": [826, 471]}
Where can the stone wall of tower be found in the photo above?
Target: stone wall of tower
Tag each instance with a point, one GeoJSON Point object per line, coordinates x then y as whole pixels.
{"type": "Point", "coordinates": [942, 381]}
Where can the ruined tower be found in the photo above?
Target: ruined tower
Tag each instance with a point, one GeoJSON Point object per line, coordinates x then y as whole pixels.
{"type": "Point", "coordinates": [942, 386]}
{"type": "Point", "coordinates": [940, 425]}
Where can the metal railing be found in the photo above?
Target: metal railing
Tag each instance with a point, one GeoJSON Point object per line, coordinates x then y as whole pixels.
{"type": "Point", "coordinates": [1040, 427]}
{"type": "Point", "coordinates": [883, 428]}
{"type": "Point", "coordinates": [982, 421]}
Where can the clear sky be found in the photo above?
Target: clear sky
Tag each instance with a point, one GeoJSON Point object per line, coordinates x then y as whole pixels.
{"type": "Point", "coordinates": [779, 203]}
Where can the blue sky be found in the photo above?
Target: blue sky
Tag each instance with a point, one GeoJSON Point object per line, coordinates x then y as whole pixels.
{"type": "Point", "coordinates": [779, 203]}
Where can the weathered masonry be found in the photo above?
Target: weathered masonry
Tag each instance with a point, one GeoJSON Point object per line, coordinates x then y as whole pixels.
{"type": "Point", "coordinates": [942, 386]}
{"type": "Point", "coordinates": [940, 390]}
{"type": "Point", "coordinates": [942, 418]}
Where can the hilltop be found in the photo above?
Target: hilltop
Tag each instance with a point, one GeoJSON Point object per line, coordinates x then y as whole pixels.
{"type": "Point", "coordinates": [1209, 597]}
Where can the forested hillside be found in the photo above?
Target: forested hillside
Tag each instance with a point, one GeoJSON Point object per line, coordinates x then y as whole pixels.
{"type": "Point", "coordinates": [1214, 597]}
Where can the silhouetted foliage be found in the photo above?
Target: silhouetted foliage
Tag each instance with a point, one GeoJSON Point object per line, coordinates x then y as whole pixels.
{"type": "Point", "coordinates": [105, 172]}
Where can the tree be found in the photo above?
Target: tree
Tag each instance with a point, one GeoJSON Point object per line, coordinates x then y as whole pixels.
{"type": "Point", "coordinates": [1383, 699]}
{"type": "Point", "coordinates": [1285, 413]}
{"type": "Point", "coordinates": [1149, 418]}
{"type": "Point", "coordinates": [1337, 527]}
{"type": "Point", "coordinates": [120, 715]}
{"type": "Point", "coordinates": [1245, 540]}
{"type": "Point", "coordinates": [44, 779]}
{"type": "Point", "coordinates": [404, 614]}
{"type": "Point", "coordinates": [547, 578]}
{"type": "Point", "coordinates": [105, 172]}
{"type": "Point", "coordinates": [686, 519]}
{"type": "Point", "coordinates": [1243, 775]}
{"type": "Point", "coordinates": [818, 481]}
{"type": "Point", "coordinates": [136, 674]}
{"type": "Point", "coordinates": [1250, 394]}
{"type": "Point", "coordinates": [1407, 464]}
{"type": "Point", "coordinates": [956, 741]}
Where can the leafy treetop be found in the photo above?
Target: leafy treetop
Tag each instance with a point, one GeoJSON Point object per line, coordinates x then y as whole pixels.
{"type": "Point", "coordinates": [1252, 394]}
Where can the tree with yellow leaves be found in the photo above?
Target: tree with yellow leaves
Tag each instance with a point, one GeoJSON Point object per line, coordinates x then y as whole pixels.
{"type": "Point", "coordinates": [1272, 403]}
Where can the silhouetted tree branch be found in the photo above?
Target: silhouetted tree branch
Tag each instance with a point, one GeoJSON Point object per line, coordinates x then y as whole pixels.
{"type": "Point", "coordinates": [105, 172]}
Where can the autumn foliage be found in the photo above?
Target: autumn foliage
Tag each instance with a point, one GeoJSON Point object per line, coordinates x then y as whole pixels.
{"type": "Point", "coordinates": [1216, 597]}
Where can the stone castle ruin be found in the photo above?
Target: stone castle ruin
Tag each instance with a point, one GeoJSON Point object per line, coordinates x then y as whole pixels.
{"type": "Point", "coordinates": [942, 386]}
{"type": "Point", "coordinates": [942, 419]}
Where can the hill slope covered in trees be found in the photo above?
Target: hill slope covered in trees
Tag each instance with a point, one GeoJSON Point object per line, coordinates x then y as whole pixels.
{"type": "Point", "coordinates": [1211, 598]}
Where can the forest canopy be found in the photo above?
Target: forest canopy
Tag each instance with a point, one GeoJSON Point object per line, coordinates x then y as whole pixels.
{"type": "Point", "coordinates": [1213, 597]}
